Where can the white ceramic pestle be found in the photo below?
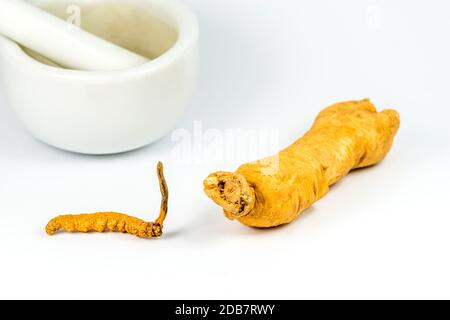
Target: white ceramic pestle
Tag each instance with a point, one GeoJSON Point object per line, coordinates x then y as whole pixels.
{"type": "Point", "coordinates": [60, 41]}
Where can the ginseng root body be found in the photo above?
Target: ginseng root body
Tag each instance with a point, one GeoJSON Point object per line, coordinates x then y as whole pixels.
{"type": "Point", "coordinates": [113, 221]}
{"type": "Point", "coordinates": [275, 190]}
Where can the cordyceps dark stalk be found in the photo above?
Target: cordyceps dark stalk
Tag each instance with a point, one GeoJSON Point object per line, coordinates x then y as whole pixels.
{"type": "Point", "coordinates": [164, 194]}
{"type": "Point", "coordinates": [113, 221]}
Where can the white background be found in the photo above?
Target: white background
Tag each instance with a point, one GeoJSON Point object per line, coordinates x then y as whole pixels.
{"type": "Point", "coordinates": [383, 232]}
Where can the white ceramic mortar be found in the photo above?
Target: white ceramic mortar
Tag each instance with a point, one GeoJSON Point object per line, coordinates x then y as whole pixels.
{"type": "Point", "coordinates": [105, 112]}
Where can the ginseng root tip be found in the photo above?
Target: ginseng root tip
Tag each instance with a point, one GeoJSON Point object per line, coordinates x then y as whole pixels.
{"type": "Point", "coordinates": [231, 191]}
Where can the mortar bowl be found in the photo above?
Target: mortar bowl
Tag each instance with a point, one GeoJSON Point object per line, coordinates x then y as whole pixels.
{"type": "Point", "coordinates": [105, 112]}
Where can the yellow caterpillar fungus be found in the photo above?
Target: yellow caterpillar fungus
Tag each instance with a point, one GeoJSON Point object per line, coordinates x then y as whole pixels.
{"type": "Point", "coordinates": [275, 190]}
{"type": "Point", "coordinates": [113, 221]}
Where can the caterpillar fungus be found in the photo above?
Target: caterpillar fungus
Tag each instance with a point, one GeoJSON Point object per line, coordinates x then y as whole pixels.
{"type": "Point", "coordinates": [113, 221]}
{"type": "Point", "coordinates": [275, 190]}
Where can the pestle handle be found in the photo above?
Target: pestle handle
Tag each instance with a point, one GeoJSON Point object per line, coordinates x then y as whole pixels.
{"type": "Point", "coordinates": [65, 44]}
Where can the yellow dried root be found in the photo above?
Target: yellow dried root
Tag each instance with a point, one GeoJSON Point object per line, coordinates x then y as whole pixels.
{"type": "Point", "coordinates": [275, 190]}
{"type": "Point", "coordinates": [113, 221]}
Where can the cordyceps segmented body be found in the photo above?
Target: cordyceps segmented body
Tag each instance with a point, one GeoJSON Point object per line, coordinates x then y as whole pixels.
{"type": "Point", "coordinates": [275, 190]}
{"type": "Point", "coordinates": [104, 221]}
{"type": "Point", "coordinates": [113, 221]}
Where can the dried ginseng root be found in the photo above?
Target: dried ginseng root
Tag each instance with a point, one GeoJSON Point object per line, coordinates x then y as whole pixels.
{"type": "Point", "coordinates": [275, 190]}
{"type": "Point", "coordinates": [113, 221]}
